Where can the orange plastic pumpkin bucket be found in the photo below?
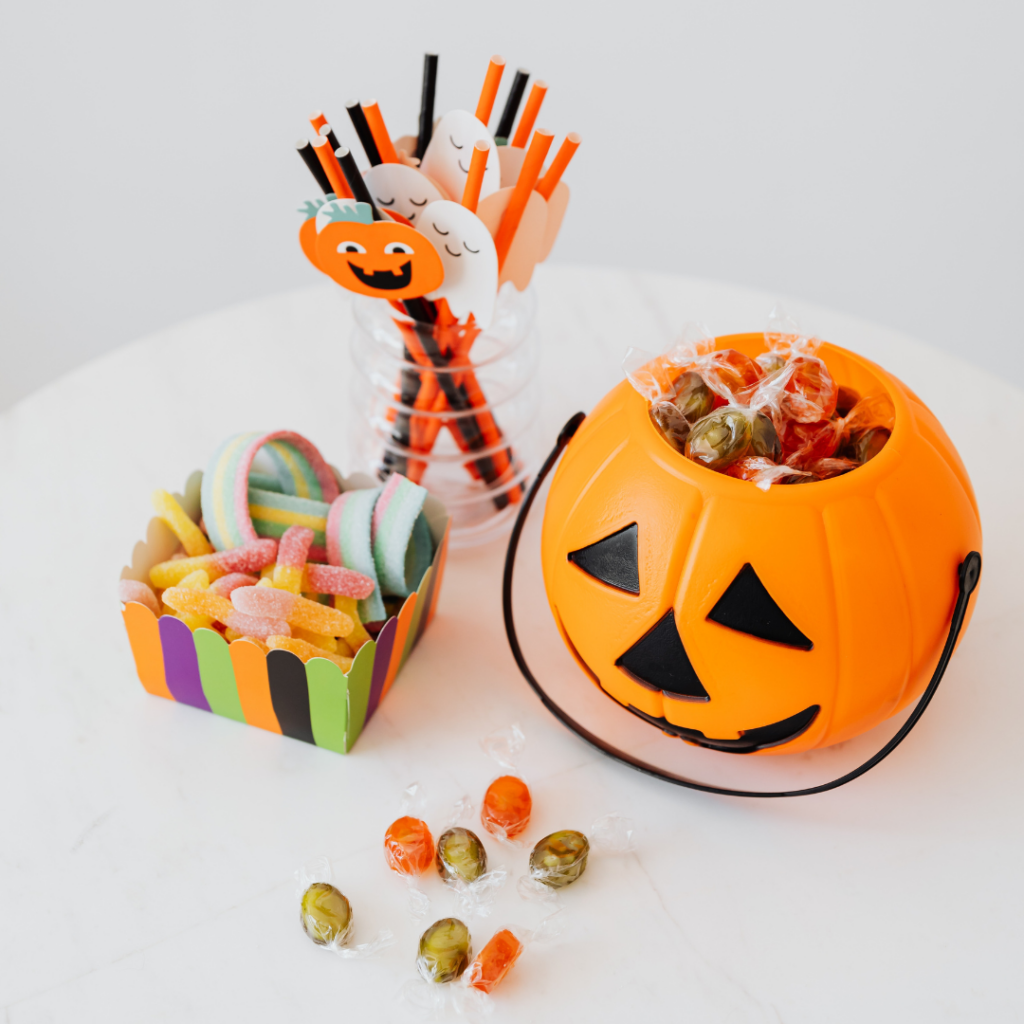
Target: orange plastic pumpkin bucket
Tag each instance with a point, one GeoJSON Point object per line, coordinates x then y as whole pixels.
{"type": "Point", "coordinates": [751, 621]}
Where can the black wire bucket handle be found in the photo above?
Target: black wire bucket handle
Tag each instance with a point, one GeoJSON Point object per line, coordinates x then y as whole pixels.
{"type": "Point", "coordinates": [969, 574]}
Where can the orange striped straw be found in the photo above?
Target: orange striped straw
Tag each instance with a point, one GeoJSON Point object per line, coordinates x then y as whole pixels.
{"type": "Point", "coordinates": [547, 184]}
{"type": "Point", "coordinates": [530, 112]}
{"type": "Point", "coordinates": [490, 90]}
{"type": "Point", "coordinates": [317, 120]}
{"type": "Point", "coordinates": [331, 167]}
{"type": "Point", "coordinates": [528, 175]}
{"type": "Point", "coordinates": [380, 132]}
{"type": "Point", "coordinates": [475, 178]}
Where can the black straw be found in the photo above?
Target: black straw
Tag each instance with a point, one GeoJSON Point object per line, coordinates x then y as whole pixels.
{"type": "Point", "coordinates": [309, 158]}
{"type": "Point", "coordinates": [508, 116]}
{"type": "Point", "coordinates": [328, 133]}
{"type": "Point", "coordinates": [427, 103]}
{"type": "Point", "coordinates": [355, 180]}
{"type": "Point", "coordinates": [362, 127]}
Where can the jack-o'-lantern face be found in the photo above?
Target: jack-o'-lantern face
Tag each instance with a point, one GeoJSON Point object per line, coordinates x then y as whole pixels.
{"type": "Point", "coordinates": [381, 258]}
{"type": "Point", "coordinates": [746, 621]}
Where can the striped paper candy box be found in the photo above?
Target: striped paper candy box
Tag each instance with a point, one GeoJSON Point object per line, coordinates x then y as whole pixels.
{"type": "Point", "coordinates": [315, 702]}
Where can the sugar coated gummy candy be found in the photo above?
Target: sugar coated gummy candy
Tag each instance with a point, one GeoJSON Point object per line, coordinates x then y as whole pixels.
{"type": "Point", "coordinates": [224, 585]}
{"type": "Point", "coordinates": [560, 858]}
{"type": "Point", "coordinates": [192, 538]}
{"type": "Point", "coordinates": [190, 601]}
{"type": "Point", "coordinates": [257, 626]}
{"type": "Point", "coordinates": [333, 579]}
{"type": "Point", "coordinates": [350, 606]}
{"type": "Point", "coordinates": [248, 559]}
{"type": "Point", "coordinates": [506, 808]}
{"type": "Point", "coordinates": [326, 915]}
{"type": "Point", "coordinates": [444, 951]}
{"type": "Point", "coordinates": [305, 651]}
{"type": "Point", "coordinates": [292, 552]}
{"type": "Point", "coordinates": [139, 592]}
{"type": "Point", "coordinates": [408, 846]}
{"type": "Point", "coordinates": [494, 961]}
{"type": "Point", "coordinates": [269, 602]}
{"type": "Point", "coordinates": [460, 855]}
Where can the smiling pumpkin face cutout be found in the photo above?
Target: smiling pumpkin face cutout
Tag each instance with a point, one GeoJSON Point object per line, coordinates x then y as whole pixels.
{"type": "Point", "coordinates": [381, 259]}
{"type": "Point", "coordinates": [451, 147]}
{"type": "Point", "coordinates": [753, 622]}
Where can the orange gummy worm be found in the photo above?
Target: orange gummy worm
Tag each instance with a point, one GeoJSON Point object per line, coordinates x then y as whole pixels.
{"type": "Point", "coordinates": [317, 120]}
{"type": "Point", "coordinates": [530, 112]}
{"type": "Point", "coordinates": [379, 132]}
{"type": "Point", "coordinates": [475, 178]}
{"type": "Point", "coordinates": [331, 167]}
{"type": "Point", "coordinates": [490, 90]}
{"type": "Point", "coordinates": [528, 175]}
{"type": "Point", "coordinates": [565, 153]}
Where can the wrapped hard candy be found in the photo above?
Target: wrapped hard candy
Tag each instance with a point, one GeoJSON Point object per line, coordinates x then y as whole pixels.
{"type": "Point", "coordinates": [560, 858]}
{"type": "Point", "coordinates": [444, 951]}
{"type": "Point", "coordinates": [326, 915]}
{"type": "Point", "coordinates": [460, 856]}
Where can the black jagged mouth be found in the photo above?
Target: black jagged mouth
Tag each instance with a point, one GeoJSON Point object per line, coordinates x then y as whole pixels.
{"type": "Point", "coordinates": [761, 738]}
{"type": "Point", "coordinates": [385, 280]}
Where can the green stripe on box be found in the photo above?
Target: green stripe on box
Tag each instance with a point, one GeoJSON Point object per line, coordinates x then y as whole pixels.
{"type": "Point", "coordinates": [217, 674]}
{"type": "Point", "coordinates": [360, 676]}
{"type": "Point", "coordinates": [328, 703]}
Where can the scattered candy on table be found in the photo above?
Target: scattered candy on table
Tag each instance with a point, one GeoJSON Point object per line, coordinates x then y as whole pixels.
{"type": "Point", "coordinates": [460, 856]}
{"type": "Point", "coordinates": [326, 915]}
{"type": "Point", "coordinates": [494, 961]}
{"type": "Point", "coordinates": [506, 807]}
{"type": "Point", "coordinates": [444, 951]}
{"type": "Point", "coordinates": [409, 846]}
{"type": "Point", "coordinates": [559, 859]}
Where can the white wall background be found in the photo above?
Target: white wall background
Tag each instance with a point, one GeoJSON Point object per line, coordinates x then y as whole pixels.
{"type": "Point", "coordinates": [864, 155]}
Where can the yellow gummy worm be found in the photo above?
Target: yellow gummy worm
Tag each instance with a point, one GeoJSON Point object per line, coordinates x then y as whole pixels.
{"type": "Point", "coordinates": [191, 537]}
{"type": "Point", "coordinates": [306, 651]}
{"type": "Point", "coordinates": [187, 601]}
{"type": "Point", "coordinates": [288, 577]}
{"type": "Point", "coordinates": [325, 643]}
{"type": "Point", "coordinates": [319, 618]}
{"type": "Point", "coordinates": [170, 574]}
{"type": "Point", "coordinates": [350, 606]}
{"type": "Point", "coordinates": [198, 580]}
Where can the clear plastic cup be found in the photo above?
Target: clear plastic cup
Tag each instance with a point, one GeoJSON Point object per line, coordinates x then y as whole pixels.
{"type": "Point", "coordinates": [454, 411]}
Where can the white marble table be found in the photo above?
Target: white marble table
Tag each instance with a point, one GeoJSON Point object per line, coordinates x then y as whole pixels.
{"type": "Point", "coordinates": [147, 849]}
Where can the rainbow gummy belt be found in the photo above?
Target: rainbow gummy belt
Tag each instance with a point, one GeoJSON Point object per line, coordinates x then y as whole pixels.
{"type": "Point", "coordinates": [398, 522]}
{"type": "Point", "coordinates": [349, 526]}
{"type": "Point", "coordinates": [299, 468]}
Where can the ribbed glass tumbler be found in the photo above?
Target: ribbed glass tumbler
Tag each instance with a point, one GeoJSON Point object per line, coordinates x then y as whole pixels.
{"type": "Point", "coordinates": [451, 407]}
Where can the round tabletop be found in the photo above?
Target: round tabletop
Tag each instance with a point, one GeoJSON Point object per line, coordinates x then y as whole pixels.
{"type": "Point", "coordinates": [149, 849]}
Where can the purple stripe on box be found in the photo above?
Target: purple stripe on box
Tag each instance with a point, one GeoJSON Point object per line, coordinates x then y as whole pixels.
{"type": "Point", "coordinates": [381, 663]}
{"type": "Point", "coordinates": [181, 666]}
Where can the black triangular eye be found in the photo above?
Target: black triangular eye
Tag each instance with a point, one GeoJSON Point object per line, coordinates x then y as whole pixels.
{"type": "Point", "coordinates": [612, 560]}
{"type": "Point", "coordinates": [658, 660]}
{"type": "Point", "coordinates": [747, 607]}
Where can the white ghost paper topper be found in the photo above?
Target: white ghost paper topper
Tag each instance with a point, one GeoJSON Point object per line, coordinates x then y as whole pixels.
{"type": "Point", "coordinates": [469, 257]}
{"type": "Point", "coordinates": [402, 188]}
{"type": "Point", "coordinates": [451, 148]}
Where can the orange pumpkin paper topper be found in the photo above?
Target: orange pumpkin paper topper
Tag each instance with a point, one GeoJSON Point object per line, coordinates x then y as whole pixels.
{"type": "Point", "coordinates": [746, 621]}
{"type": "Point", "coordinates": [381, 259]}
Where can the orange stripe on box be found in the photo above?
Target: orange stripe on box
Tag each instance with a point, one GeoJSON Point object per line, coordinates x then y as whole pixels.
{"type": "Point", "coordinates": [441, 562]}
{"type": "Point", "coordinates": [144, 636]}
{"type": "Point", "coordinates": [398, 646]}
{"type": "Point", "coordinates": [253, 683]}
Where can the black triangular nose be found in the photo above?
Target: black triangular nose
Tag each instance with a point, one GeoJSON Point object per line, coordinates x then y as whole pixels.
{"type": "Point", "coordinates": [659, 660]}
{"type": "Point", "coordinates": [612, 560]}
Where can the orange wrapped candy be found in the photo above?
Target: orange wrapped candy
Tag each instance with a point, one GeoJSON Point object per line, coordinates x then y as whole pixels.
{"type": "Point", "coordinates": [506, 808]}
{"type": "Point", "coordinates": [729, 372]}
{"type": "Point", "coordinates": [409, 846]}
{"type": "Point", "coordinates": [811, 393]}
{"type": "Point", "coordinates": [494, 961]}
{"type": "Point", "coordinates": [807, 442]}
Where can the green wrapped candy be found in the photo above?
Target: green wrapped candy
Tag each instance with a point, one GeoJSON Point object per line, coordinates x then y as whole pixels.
{"type": "Point", "coordinates": [693, 398]}
{"type": "Point", "coordinates": [864, 447]}
{"type": "Point", "coordinates": [560, 858]}
{"type": "Point", "coordinates": [460, 855]}
{"type": "Point", "coordinates": [764, 439]}
{"type": "Point", "coordinates": [674, 426]}
{"type": "Point", "coordinates": [771, 362]}
{"type": "Point", "coordinates": [444, 951]}
{"type": "Point", "coordinates": [326, 915]}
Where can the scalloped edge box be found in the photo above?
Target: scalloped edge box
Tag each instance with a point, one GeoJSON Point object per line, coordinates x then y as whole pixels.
{"type": "Point", "coordinates": [315, 702]}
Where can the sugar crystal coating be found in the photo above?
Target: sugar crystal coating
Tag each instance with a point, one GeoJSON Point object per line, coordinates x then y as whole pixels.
{"type": "Point", "coordinates": [257, 626]}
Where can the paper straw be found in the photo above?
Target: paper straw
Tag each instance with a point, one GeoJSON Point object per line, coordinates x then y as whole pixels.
{"type": "Point", "coordinates": [355, 112]}
{"type": "Point", "coordinates": [305, 150]}
{"type": "Point", "coordinates": [380, 133]}
{"type": "Point", "coordinates": [475, 178]}
{"type": "Point", "coordinates": [332, 169]}
{"type": "Point", "coordinates": [530, 112]}
{"type": "Point", "coordinates": [427, 103]}
{"type": "Point", "coordinates": [528, 175]}
{"type": "Point", "coordinates": [316, 119]}
{"type": "Point", "coordinates": [508, 115]}
{"type": "Point", "coordinates": [490, 90]}
{"type": "Point", "coordinates": [554, 175]}
{"type": "Point", "coordinates": [328, 133]}
{"type": "Point", "coordinates": [360, 193]}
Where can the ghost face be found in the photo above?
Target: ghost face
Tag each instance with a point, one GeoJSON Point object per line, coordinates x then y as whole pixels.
{"type": "Point", "coordinates": [451, 147]}
{"type": "Point", "coordinates": [401, 189]}
{"type": "Point", "coordinates": [469, 257]}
